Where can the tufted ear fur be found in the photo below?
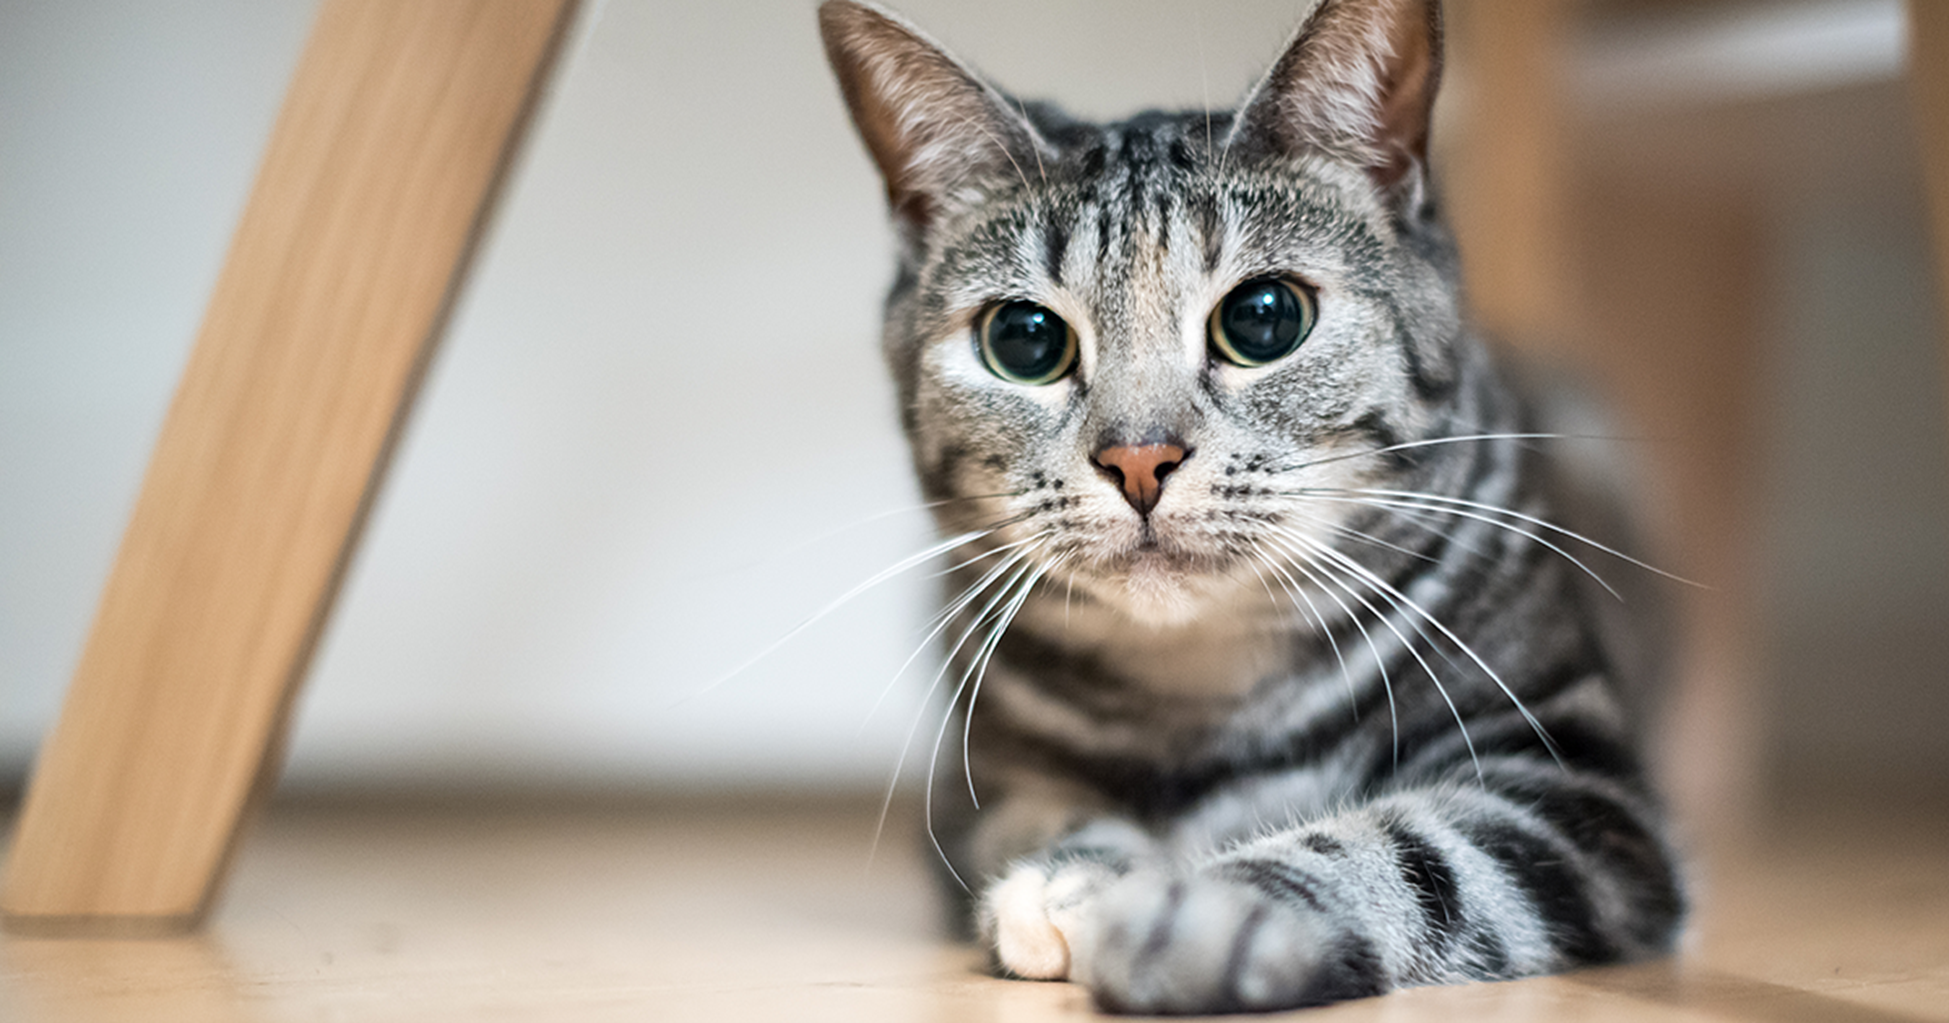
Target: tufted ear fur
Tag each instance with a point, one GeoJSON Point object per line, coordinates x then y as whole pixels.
{"type": "Point", "coordinates": [938, 132]}
{"type": "Point", "coordinates": [1358, 83]}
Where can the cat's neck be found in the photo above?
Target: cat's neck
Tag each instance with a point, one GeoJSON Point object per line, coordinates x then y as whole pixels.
{"type": "Point", "coordinates": [1220, 655]}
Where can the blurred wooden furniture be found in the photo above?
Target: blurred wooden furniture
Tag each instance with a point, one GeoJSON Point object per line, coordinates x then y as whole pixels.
{"type": "Point", "coordinates": [1630, 237]}
{"type": "Point", "coordinates": [1928, 61]}
{"type": "Point", "coordinates": [392, 143]}
{"type": "Point", "coordinates": [1561, 252]}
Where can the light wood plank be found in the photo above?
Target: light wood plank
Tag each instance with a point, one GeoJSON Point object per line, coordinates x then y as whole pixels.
{"type": "Point", "coordinates": [391, 143]}
{"type": "Point", "coordinates": [739, 910]}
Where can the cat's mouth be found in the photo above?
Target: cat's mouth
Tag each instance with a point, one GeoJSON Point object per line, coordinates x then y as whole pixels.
{"type": "Point", "coordinates": [1151, 556]}
{"type": "Point", "coordinates": [1160, 546]}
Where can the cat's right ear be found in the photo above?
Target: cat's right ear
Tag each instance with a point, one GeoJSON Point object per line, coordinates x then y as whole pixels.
{"type": "Point", "coordinates": [938, 132]}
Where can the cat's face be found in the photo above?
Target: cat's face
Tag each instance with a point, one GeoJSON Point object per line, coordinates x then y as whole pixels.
{"type": "Point", "coordinates": [1140, 352]}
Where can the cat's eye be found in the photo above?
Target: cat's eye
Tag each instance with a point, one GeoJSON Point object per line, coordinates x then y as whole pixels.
{"type": "Point", "coordinates": [1025, 343]}
{"type": "Point", "coordinates": [1262, 321]}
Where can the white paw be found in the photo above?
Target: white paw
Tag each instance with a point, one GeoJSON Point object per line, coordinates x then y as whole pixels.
{"type": "Point", "coordinates": [1027, 942]}
{"type": "Point", "coordinates": [1034, 915]}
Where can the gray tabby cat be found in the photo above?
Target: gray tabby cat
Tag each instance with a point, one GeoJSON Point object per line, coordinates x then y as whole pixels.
{"type": "Point", "coordinates": [1288, 690]}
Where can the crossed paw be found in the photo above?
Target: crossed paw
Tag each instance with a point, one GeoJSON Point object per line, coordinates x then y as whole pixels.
{"type": "Point", "coordinates": [1145, 941]}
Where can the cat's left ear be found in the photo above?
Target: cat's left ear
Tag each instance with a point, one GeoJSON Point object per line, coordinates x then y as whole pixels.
{"type": "Point", "coordinates": [938, 132]}
{"type": "Point", "coordinates": [1358, 83]}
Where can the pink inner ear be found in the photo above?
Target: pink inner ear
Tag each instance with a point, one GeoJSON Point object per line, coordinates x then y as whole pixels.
{"type": "Point", "coordinates": [929, 123]}
{"type": "Point", "coordinates": [1408, 90]}
{"type": "Point", "coordinates": [1358, 82]}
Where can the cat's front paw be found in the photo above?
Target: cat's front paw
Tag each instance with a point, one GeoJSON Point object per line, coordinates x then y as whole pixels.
{"type": "Point", "coordinates": [1213, 942]}
{"type": "Point", "coordinates": [1020, 927]}
{"type": "Point", "coordinates": [1031, 917]}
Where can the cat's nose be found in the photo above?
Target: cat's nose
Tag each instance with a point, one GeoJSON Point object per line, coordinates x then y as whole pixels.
{"type": "Point", "coordinates": [1140, 470]}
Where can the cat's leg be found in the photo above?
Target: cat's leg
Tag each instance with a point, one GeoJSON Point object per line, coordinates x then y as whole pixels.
{"type": "Point", "coordinates": [1518, 875]}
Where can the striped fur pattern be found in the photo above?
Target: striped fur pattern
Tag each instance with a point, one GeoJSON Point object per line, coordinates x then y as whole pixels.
{"type": "Point", "coordinates": [1335, 716]}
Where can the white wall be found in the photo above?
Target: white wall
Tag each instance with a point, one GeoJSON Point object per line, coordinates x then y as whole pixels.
{"type": "Point", "coordinates": [660, 392]}
{"type": "Point", "coordinates": [128, 135]}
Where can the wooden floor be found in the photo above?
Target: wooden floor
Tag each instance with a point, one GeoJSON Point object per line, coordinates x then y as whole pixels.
{"type": "Point", "coordinates": [633, 911]}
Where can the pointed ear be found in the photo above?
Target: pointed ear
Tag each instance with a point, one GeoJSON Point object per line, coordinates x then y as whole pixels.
{"type": "Point", "coordinates": [1358, 82]}
{"type": "Point", "coordinates": [937, 131]}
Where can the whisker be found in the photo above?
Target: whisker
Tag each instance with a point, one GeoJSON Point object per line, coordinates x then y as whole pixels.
{"type": "Point", "coordinates": [1009, 601]}
{"type": "Point", "coordinates": [968, 597]}
{"type": "Point", "coordinates": [1360, 536]}
{"type": "Point", "coordinates": [989, 553]}
{"type": "Point", "coordinates": [1314, 618]}
{"type": "Point", "coordinates": [888, 573]}
{"type": "Point", "coordinates": [1260, 557]}
{"type": "Point", "coordinates": [980, 666]}
{"type": "Point", "coordinates": [888, 513]}
{"type": "Point", "coordinates": [1428, 442]}
{"type": "Point", "coordinates": [1384, 587]}
{"type": "Point", "coordinates": [1406, 644]}
{"type": "Point", "coordinates": [1372, 540]}
{"type": "Point", "coordinates": [1498, 523]}
{"type": "Point", "coordinates": [1409, 619]}
{"type": "Point", "coordinates": [987, 614]}
{"type": "Point", "coordinates": [1428, 523]}
{"type": "Point", "coordinates": [941, 618]}
{"type": "Point", "coordinates": [934, 758]}
{"type": "Point", "coordinates": [1380, 662]}
{"type": "Point", "coordinates": [1532, 520]}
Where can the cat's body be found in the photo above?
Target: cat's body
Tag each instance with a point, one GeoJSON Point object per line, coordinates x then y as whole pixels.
{"type": "Point", "coordinates": [1260, 622]}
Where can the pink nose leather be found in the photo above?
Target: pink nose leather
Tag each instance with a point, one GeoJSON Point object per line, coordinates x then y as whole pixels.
{"type": "Point", "coordinates": [1140, 470]}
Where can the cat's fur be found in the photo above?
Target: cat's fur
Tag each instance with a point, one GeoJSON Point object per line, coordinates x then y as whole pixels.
{"type": "Point", "coordinates": [1279, 739]}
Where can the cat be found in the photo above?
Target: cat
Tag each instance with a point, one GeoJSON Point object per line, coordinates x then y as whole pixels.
{"type": "Point", "coordinates": [1275, 682]}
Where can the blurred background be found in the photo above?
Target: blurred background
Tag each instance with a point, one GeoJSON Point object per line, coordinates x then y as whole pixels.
{"type": "Point", "coordinates": [657, 437]}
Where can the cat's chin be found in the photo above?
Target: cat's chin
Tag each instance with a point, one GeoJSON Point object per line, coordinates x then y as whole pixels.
{"type": "Point", "coordinates": [1156, 592]}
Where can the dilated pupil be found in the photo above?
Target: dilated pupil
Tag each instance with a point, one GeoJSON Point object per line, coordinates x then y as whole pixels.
{"type": "Point", "coordinates": [1027, 340]}
{"type": "Point", "coordinates": [1263, 321]}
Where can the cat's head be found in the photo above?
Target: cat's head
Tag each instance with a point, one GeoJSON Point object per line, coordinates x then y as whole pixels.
{"type": "Point", "coordinates": [1129, 348]}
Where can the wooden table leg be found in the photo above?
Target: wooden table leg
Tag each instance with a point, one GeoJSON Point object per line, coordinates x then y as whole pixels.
{"type": "Point", "coordinates": [1928, 73]}
{"type": "Point", "coordinates": [390, 147]}
{"type": "Point", "coordinates": [1561, 252]}
{"type": "Point", "coordinates": [1509, 180]}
